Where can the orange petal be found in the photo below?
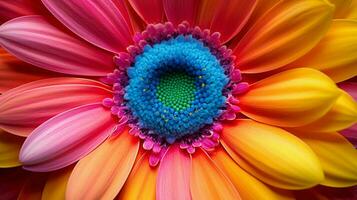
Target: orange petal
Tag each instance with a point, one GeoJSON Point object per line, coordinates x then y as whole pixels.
{"type": "Point", "coordinates": [336, 54]}
{"type": "Point", "coordinates": [266, 152]}
{"type": "Point", "coordinates": [56, 184]}
{"type": "Point", "coordinates": [249, 188]}
{"type": "Point", "coordinates": [14, 72]}
{"type": "Point", "coordinates": [208, 181]}
{"type": "Point", "coordinates": [108, 167]}
{"type": "Point", "coordinates": [338, 157]}
{"type": "Point", "coordinates": [260, 9]}
{"type": "Point", "coordinates": [9, 149]}
{"type": "Point", "coordinates": [342, 115]}
{"type": "Point", "coordinates": [291, 98]}
{"type": "Point", "coordinates": [141, 182]}
{"type": "Point", "coordinates": [174, 186]}
{"type": "Point", "coordinates": [207, 10]}
{"type": "Point", "coordinates": [279, 37]}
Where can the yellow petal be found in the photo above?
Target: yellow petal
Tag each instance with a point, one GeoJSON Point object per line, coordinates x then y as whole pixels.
{"type": "Point", "coordinates": [141, 183]}
{"type": "Point", "coordinates": [108, 167]}
{"type": "Point", "coordinates": [291, 98]}
{"type": "Point", "coordinates": [342, 115]}
{"type": "Point", "coordinates": [56, 184]}
{"type": "Point", "coordinates": [336, 54]}
{"type": "Point", "coordinates": [249, 188]}
{"type": "Point", "coordinates": [338, 157]}
{"type": "Point", "coordinates": [345, 9]}
{"type": "Point", "coordinates": [272, 154]}
{"type": "Point", "coordinates": [208, 182]}
{"type": "Point", "coordinates": [341, 7]}
{"type": "Point", "coordinates": [9, 149]}
{"type": "Point", "coordinates": [352, 11]}
{"type": "Point", "coordinates": [286, 32]}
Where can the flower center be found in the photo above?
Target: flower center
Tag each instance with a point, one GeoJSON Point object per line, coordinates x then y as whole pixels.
{"type": "Point", "coordinates": [175, 85]}
{"type": "Point", "coordinates": [176, 90]}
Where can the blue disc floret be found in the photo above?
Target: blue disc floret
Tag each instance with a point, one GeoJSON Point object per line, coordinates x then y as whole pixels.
{"type": "Point", "coordinates": [175, 88]}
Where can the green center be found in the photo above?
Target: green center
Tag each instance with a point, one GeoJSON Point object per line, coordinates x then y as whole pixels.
{"type": "Point", "coordinates": [176, 90]}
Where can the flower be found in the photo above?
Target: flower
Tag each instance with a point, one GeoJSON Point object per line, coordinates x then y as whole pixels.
{"type": "Point", "coordinates": [179, 99]}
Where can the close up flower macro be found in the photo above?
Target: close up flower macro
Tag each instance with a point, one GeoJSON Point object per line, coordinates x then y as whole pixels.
{"type": "Point", "coordinates": [178, 99]}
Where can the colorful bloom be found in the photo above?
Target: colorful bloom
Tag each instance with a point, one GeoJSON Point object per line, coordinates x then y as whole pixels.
{"type": "Point", "coordinates": [172, 99]}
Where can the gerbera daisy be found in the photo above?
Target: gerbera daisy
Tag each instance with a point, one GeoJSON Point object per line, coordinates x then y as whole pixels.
{"type": "Point", "coordinates": [172, 99]}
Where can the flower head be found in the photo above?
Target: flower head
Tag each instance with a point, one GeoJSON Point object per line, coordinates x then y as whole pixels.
{"type": "Point", "coordinates": [173, 99]}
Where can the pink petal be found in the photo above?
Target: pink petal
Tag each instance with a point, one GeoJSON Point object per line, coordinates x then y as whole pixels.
{"type": "Point", "coordinates": [14, 8]}
{"type": "Point", "coordinates": [181, 10]}
{"type": "Point", "coordinates": [33, 40]}
{"type": "Point", "coordinates": [350, 87]}
{"type": "Point", "coordinates": [173, 180]}
{"type": "Point", "coordinates": [66, 138]}
{"type": "Point", "coordinates": [231, 16]}
{"type": "Point", "coordinates": [24, 108]}
{"type": "Point", "coordinates": [151, 11]}
{"type": "Point", "coordinates": [99, 22]}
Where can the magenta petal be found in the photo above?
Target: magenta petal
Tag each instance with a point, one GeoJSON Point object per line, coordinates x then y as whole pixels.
{"type": "Point", "coordinates": [99, 22]}
{"type": "Point", "coordinates": [34, 40]}
{"type": "Point", "coordinates": [151, 11]}
{"type": "Point", "coordinates": [66, 138]}
{"type": "Point", "coordinates": [328, 193]}
{"type": "Point", "coordinates": [351, 134]}
{"type": "Point", "coordinates": [12, 181]}
{"type": "Point", "coordinates": [123, 7]}
{"type": "Point", "coordinates": [350, 87]}
{"type": "Point", "coordinates": [24, 108]}
{"type": "Point", "coordinates": [173, 179]}
{"type": "Point", "coordinates": [181, 10]}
